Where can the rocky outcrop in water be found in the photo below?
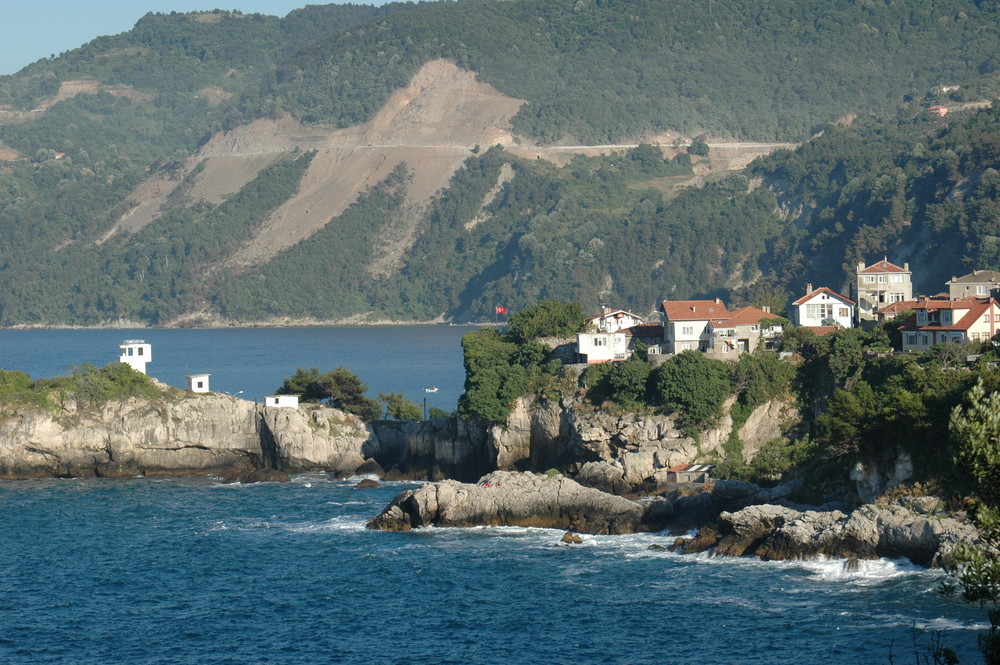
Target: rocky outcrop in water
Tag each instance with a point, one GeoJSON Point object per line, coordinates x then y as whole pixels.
{"type": "Point", "coordinates": [520, 499]}
{"type": "Point", "coordinates": [913, 528]}
{"type": "Point", "coordinates": [178, 433]}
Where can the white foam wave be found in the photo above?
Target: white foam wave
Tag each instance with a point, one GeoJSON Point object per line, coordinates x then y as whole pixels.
{"type": "Point", "coordinates": [860, 571]}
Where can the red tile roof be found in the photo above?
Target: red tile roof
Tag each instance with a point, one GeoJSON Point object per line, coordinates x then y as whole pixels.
{"type": "Point", "coordinates": [819, 331]}
{"type": "Point", "coordinates": [694, 310]}
{"type": "Point", "coordinates": [882, 267]}
{"type": "Point", "coordinates": [749, 315]}
{"type": "Point", "coordinates": [975, 310]}
{"type": "Point", "coordinates": [805, 298]}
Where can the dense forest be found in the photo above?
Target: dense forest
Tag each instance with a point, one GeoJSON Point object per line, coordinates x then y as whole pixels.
{"type": "Point", "coordinates": [894, 181]}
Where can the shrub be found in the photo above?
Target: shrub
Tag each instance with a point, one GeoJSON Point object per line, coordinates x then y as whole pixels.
{"type": "Point", "coordinates": [695, 386]}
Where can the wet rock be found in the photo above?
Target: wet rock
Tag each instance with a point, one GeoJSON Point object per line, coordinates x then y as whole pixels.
{"type": "Point", "coordinates": [520, 499]}
{"type": "Point", "coordinates": [367, 484]}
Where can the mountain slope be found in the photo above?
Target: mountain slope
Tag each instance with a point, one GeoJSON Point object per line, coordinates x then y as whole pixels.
{"type": "Point", "coordinates": [340, 163]}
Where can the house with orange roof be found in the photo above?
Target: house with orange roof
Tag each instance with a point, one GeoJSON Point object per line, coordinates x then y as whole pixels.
{"type": "Point", "coordinates": [962, 321]}
{"type": "Point", "coordinates": [881, 284]}
{"type": "Point", "coordinates": [687, 324]}
{"type": "Point", "coordinates": [746, 329]}
{"type": "Point", "coordinates": [823, 309]}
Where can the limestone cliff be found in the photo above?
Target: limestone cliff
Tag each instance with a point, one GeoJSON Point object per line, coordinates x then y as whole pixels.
{"type": "Point", "coordinates": [178, 433]}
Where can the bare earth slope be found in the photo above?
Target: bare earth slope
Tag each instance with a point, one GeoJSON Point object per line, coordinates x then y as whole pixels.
{"type": "Point", "coordinates": [432, 125]}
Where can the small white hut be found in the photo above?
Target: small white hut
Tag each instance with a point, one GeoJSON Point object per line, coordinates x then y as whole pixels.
{"type": "Point", "coordinates": [136, 354]}
{"type": "Point", "coordinates": [284, 401]}
{"type": "Point", "coordinates": [196, 383]}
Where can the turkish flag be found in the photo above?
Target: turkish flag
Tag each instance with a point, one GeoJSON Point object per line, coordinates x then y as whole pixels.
{"type": "Point", "coordinates": [500, 309]}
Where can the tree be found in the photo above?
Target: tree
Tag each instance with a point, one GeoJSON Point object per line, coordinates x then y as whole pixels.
{"type": "Point", "coordinates": [493, 380]}
{"type": "Point", "coordinates": [548, 318]}
{"type": "Point", "coordinates": [976, 432]}
{"type": "Point", "coordinates": [344, 390]}
{"type": "Point", "coordinates": [398, 407]}
{"type": "Point", "coordinates": [302, 383]}
{"type": "Point", "coordinates": [628, 381]}
{"type": "Point", "coordinates": [339, 387]}
{"type": "Point", "coordinates": [698, 147]}
{"type": "Point", "coordinates": [694, 385]}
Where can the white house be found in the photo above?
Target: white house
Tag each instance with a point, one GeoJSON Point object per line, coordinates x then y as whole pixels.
{"type": "Point", "coordinates": [613, 320]}
{"type": "Point", "coordinates": [136, 354]}
{"type": "Point", "coordinates": [196, 383]}
{"type": "Point", "coordinates": [600, 347]}
{"type": "Point", "coordinates": [823, 309]}
{"type": "Point", "coordinates": [282, 401]}
{"type": "Point", "coordinates": [686, 324]}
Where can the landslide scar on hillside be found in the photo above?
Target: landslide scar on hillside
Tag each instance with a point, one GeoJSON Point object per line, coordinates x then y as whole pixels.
{"type": "Point", "coordinates": [432, 125]}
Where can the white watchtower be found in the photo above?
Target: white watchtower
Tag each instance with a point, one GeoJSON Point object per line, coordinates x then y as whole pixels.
{"type": "Point", "coordinates": [136, 354]}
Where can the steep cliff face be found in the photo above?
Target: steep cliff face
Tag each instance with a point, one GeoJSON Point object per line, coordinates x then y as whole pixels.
{"type": "Point", "coordinates": [179, 433]}
{"type": "Point", "coordinates": [616, 452]}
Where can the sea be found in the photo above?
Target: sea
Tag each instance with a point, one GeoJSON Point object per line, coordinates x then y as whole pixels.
{"type": "Point", "coordinates": [190, 571]}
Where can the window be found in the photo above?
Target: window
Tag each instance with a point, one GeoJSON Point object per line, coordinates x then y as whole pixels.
{"type": "Point", "coordinates": [881, 279]}
{"type": "Point", "coordinates": [923, 339]}
{"type": "Point", "coordinates": [599, 341]}
{"type": "Point", "coordinates": [843, 313]}
{"type": "Point", "coordinates": [819, 311]}
{"type": "Point", "coordinates": [869, 279]}
{"type": "Point", "coordinates": [981, 290]}
{"type": "Point", "coordinates": [897, 278]}
{"type": "Point", "coordinates": [139, 350]}
{"type": "Point", "coordinates": [130, 351]}
{"type": "Point", "coordinates": [687, 330]}
{"type": "Point", "coordinates": [946, 317]}
{"type": "Point", "coordinates": [897, 297]}
{"type": "Point", "coordinates": [911, 339]}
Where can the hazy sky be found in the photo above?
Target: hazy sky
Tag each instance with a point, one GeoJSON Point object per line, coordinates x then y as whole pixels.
{"type": "Point", "coordinates": [36, 29]}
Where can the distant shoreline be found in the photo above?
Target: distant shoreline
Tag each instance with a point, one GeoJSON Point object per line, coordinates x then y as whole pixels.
{"type": "Point", "coordinates": [135, 325]}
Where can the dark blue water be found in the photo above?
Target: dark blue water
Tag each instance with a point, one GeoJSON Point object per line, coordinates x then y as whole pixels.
{"type": "Point", "coordinates": [186, 571]}
{"type": "Point", "coordinates": [401, 359]}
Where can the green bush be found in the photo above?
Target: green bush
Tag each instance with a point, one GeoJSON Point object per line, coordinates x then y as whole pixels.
{"type": "Point", "coordinates": [695, 387]}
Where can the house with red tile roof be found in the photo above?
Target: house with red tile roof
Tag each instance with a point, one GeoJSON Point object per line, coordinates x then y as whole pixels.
{"type": "Point", "coordinates": [962, 321]}
{"type": "Point", "coordinates": [880, 284]}
{"type": "Point", "coordinates": [823, 308]}
{"type": "Point", "coordinates": [746, 329]}
{"type": "Point", "coordinates": [687, 324]}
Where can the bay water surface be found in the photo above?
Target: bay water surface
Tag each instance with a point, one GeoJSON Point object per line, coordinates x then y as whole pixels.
{"type": "Point", "coordinates": [188, 570]}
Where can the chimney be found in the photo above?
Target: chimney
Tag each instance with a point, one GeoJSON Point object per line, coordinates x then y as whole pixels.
{"type": "Point", "coordinates": [861, 266]}
{"type": "Point", "coordinates": [906, 267]}
{"type": "Point", "coordinates": [718, 301]}
{"type": "Point", "coordinates": [766, 308]}
{"type": "Point", "coordinates": [809, 289]}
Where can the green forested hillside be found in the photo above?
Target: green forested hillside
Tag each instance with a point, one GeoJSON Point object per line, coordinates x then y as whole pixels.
{"type": "Point", "coordinates": [896, 181]}
{"type": "Point", "coordinates": [602, 70]}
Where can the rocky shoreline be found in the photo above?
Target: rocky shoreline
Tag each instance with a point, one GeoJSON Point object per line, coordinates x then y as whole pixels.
{"type": "Point", "coordinates": [595, 460]}
{"type": "Point", "coordinates": [732, 523]}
